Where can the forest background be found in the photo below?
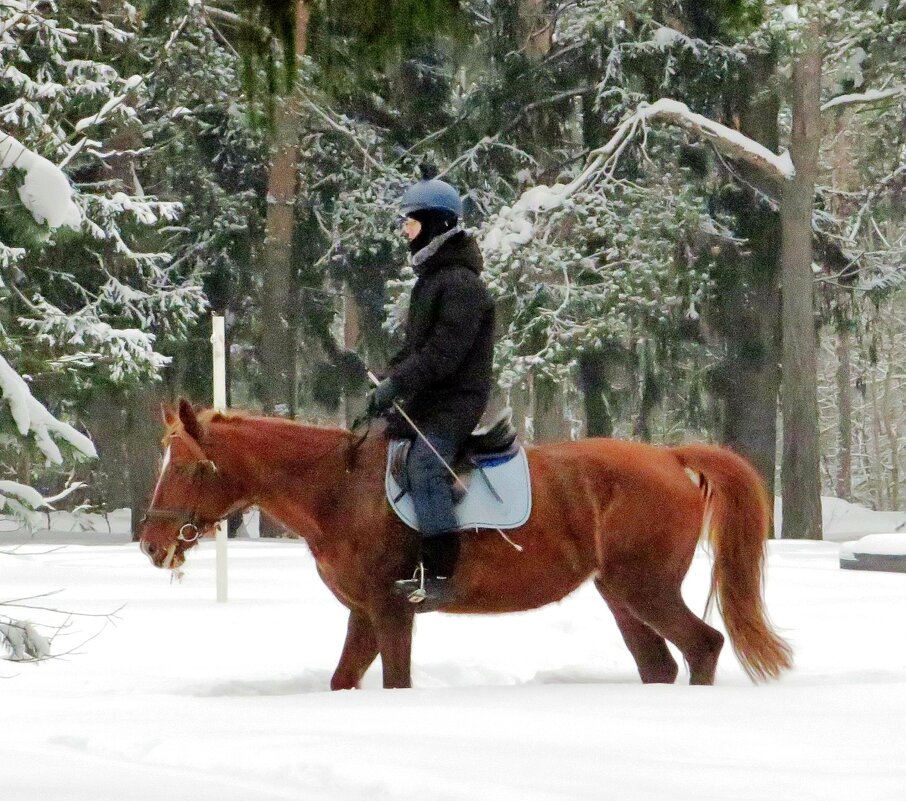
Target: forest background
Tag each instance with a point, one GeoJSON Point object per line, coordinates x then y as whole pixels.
{"type": "Point", "coordinates": [692, 215]}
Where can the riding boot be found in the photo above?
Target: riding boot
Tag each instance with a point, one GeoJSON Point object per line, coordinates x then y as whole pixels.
{"type": "Point", "coordinates": [431, 582]}
{"type": "Point", "coordinates": [434, 508]}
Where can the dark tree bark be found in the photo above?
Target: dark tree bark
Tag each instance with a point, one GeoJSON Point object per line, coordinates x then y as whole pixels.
{"type": "Point", "coordinates": [649, 400]}
{"type": "Point", "coordinates": [845, 177]}
{"type": "Point", "coordinates": [845, 413]}
{"type": "Point", "coordinates": [277, 348]}
{"type": "Point", "coordinates": [106, 422]}
{"type": "Point", "coordinates": [593, 383]}
{"type": "Point", "coordinates": [142, 445]}
{"type": "Point", "coordinates": [352, 340]}
{"type": "Point", "coordinates": [748, 380]}
{"type": "Point", "coordinates": [800, 476]}
{"type": "Point", "coordinates": [549, 420]}
{"type": "Point", "coordinates": [519, 403]}
{"type": "Point", "coordinates": [127, 428]}
{"type": "Point", "coordinates": [748, 317]}
{"type": "Point", "coordinates": [278, 340]}
{"type": "Point", "coordinates": [537, 28]}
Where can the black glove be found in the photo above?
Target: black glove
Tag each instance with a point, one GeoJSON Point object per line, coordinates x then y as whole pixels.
{"type": "Point", "coordinates": [381, 398]}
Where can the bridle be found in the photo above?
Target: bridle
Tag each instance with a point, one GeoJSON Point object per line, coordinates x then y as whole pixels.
{"type": "Point", "coordinates": [191, 525]}
{"type": "Point", "coordinates": [190, 521]}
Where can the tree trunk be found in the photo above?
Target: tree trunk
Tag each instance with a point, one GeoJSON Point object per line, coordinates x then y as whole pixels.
{"type": "Point", "coordinates": [801, 480]}
{"type": "Point", "coordinates": [749, 378]}
{"type": "Point", "coordinates": [844, 416]}
{"type": "Point", "coordinates": [106, 422]}
{"type": "Point", "coordinates": [548, 411]}
{"type": "Point", "coordinates": [129, 433]}
{"type": "Point", "coordinates": [844, 177]}
{"type": "Point", "coordinates": [594, 386]}
{"type": "Point", "coordinates": [352, 337]}
{"type": "Point", "coordinates": [649, 400]}
{"type": "Point", "coordinates": [277, 351]}
{"type": "Point", "coordinates": [142, 440]}
{"type": "Point", "coordinates": [537, 28]}
{"type": "Point", "coordinates": [891, 431]}
{"type": "Point", "coordinates": [519, 403]}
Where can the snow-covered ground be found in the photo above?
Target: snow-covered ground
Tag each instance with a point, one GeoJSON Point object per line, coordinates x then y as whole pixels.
{"type": "Point", "coordinates": [187, 698]}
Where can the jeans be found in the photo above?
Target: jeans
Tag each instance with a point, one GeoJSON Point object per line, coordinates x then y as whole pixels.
{"type": "Point", "coordinates": [430, 484]}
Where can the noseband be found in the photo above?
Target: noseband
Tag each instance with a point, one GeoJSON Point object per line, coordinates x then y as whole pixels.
{"type": "Point", "coordinates": [189, 520]}
{"type": "Point", "coordinates": [192, 526]}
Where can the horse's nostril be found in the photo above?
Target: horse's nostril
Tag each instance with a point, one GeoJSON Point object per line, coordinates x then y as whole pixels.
{"type": "Point", "coordinates": [148, 549]}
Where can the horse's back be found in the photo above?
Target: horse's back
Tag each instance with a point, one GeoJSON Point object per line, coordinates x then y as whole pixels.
{"type": "Point", "coordinates": [633, 467]}
{"type": "Point", "coordinates": [636, 500]}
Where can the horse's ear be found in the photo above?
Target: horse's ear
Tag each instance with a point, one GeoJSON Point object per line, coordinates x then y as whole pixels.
{"type": "Point", "coordinates": [168, 414]}
{"type": "Point", "coordinates": [189, 419]}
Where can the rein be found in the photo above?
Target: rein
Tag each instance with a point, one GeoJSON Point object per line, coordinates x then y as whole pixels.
{"type": "Point", "coordinates": [353, 453]}
{"type": "Point", "coordinates": [193, 526]}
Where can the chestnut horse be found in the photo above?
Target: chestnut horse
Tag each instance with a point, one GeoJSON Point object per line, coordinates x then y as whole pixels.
{"type": "Point", "coordinates": [626, 513]}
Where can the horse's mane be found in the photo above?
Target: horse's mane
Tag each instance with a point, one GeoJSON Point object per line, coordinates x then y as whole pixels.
{"type": "Point", "coordinates": [208, 416]}
{"type": "Point", "coordinates": [286, 440]}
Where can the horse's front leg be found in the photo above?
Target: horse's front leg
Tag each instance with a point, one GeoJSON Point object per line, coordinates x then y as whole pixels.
{"type": "Point", "coordinates": [393, 629]}
{"type": "Point", "coordinates": [359, 651]}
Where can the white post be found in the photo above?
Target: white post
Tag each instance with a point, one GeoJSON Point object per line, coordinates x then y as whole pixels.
{"type": "Point", "coordinates": [218, 340]}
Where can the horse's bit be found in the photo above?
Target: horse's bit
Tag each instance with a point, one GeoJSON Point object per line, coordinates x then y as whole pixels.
{"type": "Point", "coordinates": [190, 520]}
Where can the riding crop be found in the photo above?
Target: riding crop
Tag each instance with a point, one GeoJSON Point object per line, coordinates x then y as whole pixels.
{"type": "Point", "coordinates": [375, 380]}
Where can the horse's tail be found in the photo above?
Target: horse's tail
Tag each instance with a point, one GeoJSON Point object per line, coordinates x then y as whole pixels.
{"type": "Point", "coordinates": [737, 521]}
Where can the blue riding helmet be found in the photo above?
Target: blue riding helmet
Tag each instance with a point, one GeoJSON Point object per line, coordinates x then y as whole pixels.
{"type": "Point", "coordinates": [431, 194]}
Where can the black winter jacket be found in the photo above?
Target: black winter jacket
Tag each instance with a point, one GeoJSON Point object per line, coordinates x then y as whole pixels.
{"type": "Point", "coordinates": [444, 370]}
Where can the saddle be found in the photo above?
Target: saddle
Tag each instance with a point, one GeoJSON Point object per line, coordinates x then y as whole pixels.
{"type": "Point", "coordinates": [489, 446]}
{"type": "Point", "coordinates": [501, 499]}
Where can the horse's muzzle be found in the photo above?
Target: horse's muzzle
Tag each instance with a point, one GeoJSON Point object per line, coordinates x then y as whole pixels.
{"type": "Point", "coordinates": [160, 557]}
{"type": "Point", "coordinates": [148, 549]}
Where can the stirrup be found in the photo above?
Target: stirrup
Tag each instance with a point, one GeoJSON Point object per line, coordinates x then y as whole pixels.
{"type": "Point", "coordinates": [413, 589]}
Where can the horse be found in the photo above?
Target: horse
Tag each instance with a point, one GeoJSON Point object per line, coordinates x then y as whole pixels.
{"type": "Point", "coordinates": [626, 513]}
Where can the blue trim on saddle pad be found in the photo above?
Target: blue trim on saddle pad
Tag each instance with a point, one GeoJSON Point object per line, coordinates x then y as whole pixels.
{"type": "Point", "coordinates": [495, 460]}
{"type": "Point", "coordinates": [508, 478]}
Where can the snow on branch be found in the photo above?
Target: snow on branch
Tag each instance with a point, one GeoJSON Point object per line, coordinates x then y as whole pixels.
{"type": "Point", "coordinates": [31, 415]}
{"type": "Point", "coordinates": [22, 642]}
{"type": "Point", "coordinates": [872, 96]}
{"type": "Point", "coordinates": [26, 503]}
{"type": "Point", "coordinates": [111, 105]}
{"type": "Point", "coordinates": [729, 141]}
{"type": "Point", "coordinates": [46, 191]}
{"type": "Point", "coordinates": [513, 227]}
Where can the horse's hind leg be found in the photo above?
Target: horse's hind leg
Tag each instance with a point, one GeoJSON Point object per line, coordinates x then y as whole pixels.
{"type": "Point", "coordinates": [652, 657]}
{"type": "Point", "coordinates": [668, 615]}
{"type": "Point", "coordinates": [359, 651]}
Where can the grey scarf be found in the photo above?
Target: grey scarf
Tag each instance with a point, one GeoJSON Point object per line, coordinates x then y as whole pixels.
{"type": "Point", "coordinates": [418, 259]}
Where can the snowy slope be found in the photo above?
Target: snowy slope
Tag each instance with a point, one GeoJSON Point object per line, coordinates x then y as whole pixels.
{"type": "Point", "coordinates": [185, 698]}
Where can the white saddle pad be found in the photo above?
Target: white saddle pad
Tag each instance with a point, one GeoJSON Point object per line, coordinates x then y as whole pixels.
{"type": "Point", "coordinates": [479, 508]}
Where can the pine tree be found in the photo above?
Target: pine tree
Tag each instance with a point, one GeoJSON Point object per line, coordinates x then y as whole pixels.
{"type": "Point", "coordinates": [87, 297]}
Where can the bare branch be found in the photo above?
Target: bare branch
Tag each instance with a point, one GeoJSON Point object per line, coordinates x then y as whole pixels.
{"type": "Point", "coordinates": [345, 131]}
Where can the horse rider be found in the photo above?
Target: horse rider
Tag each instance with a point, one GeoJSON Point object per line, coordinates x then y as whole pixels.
{"type": "Point", "coordinates": [442, 376]}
